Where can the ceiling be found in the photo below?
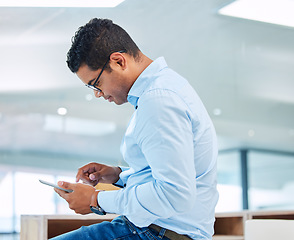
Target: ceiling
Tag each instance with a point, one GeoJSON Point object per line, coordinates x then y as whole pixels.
{"type": "Point", "coordinates": [243, 71]}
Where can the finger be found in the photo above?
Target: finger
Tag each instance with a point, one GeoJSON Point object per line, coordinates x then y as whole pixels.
{"type": "Point", "coordinates": [80, 175]}
{"type": "Point", "coordinates": [91, 181]}
{"type": "Point", "coordinates": [61, 193]}
{"type": "Point", "coordinates": [94, 178]}
{"type": "Point", "coordinates": [83, 172]}
{"type": "Point", "coordinates": [66, 185]}
{"type": "Point", "coordinates": [84, 177]}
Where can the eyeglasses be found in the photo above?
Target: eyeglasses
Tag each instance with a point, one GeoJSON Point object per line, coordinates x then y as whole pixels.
{"type": "Point", "coordinates": [93, 87]}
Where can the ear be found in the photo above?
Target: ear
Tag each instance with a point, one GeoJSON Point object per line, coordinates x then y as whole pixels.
{"type": "Point", "coordinates": [118, 59]}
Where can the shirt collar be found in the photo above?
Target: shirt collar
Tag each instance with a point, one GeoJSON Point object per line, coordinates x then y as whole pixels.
{"type": "Point", "coordinates": [144, 80]}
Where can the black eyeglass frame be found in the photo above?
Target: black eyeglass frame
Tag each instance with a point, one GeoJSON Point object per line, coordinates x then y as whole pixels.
{"type": "Point", "coordinates": [93, 86]}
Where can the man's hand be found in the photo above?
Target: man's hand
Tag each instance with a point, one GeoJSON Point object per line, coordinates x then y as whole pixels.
{"type": "Point", "coordinates": [93, 173]}
{"type": "Point", "coordinates": [80, 199]}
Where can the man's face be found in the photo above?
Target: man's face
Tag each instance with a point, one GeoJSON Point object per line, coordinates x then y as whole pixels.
{"type": "Point", "coordinates": [113, 85]}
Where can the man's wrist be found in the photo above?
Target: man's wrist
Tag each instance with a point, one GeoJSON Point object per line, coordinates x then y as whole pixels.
{"type": "Point", "coordinates": [94, 199]}
{"type": "Point", "coordinates": [95, 208]}
{"type": "Point", "coordinates": [117, 171]}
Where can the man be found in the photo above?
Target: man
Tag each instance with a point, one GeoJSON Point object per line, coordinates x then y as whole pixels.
{"type": "Point", "coordinates": [169, 189]}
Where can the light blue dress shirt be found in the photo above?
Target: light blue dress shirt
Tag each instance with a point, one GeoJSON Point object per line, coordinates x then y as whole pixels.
{"type": "Point", "coordinates": [170, 146]}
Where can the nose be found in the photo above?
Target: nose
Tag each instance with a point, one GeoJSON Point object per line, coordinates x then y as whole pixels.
{"type": "Point", "coordinates": [98, 94]}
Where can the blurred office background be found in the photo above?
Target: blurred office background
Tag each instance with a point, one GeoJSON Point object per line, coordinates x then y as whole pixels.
{"type": "Point", "coordinates": [50, 124]}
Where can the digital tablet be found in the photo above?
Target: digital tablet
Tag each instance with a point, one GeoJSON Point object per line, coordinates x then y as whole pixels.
{"type": "Point", "coordinates": [55, 186]}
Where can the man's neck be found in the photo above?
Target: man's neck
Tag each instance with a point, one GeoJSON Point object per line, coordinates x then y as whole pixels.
{"type": "Point", "coordinates": [142, 63]}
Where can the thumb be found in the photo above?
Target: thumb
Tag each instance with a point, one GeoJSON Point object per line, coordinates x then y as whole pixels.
{"type": "Point", "coordinates": [95, 177]}
{"type": "Point", "coordinates": [66, 185]}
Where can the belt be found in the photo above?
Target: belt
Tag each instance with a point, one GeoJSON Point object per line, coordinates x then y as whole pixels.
{"type": "Point", "coordinates": [169, 233]}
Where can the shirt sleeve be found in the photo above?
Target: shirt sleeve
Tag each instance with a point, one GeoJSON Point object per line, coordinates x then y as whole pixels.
{"type": "Point", "coordinates": [120, 183]}
{"type": "Point", "coordinates": [164, 135]}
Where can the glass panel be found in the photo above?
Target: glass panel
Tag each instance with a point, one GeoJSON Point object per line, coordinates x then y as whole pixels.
{"type": "Point", "coordinates": [6, 201]}
{"type": "Point", "coordinates": [229, 182]}
{"type": "Point", "coordinates": [271, 181]}
{"type": "Point", "coordinates": [32, 197]}
{"type": "Point", "coordinates": [61, 204]}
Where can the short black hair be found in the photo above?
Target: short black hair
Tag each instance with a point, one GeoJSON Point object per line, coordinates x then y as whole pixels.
{"type": "Point", "coordinates": [93, 43]}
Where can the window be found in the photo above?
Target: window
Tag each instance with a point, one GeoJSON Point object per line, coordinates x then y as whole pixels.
{"type": "Point", "coordinates": [229, 182]}
{"type": "Point", "coordinates": [6, 201]}
{"type": "Point", "coordinates": [22, 193]}
{"type": "Point", "coordinates": [271, 180]}
{"type": "Point", "coordinates": [255, 179]}
{"type": "Point", "coordinates": [31, 197]}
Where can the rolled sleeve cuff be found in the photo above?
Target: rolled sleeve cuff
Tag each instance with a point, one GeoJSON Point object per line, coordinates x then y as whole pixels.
{"type": "Point", "coordinates": [106, 200]}
{"type": "Point", "coordinates": [120, 182]}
